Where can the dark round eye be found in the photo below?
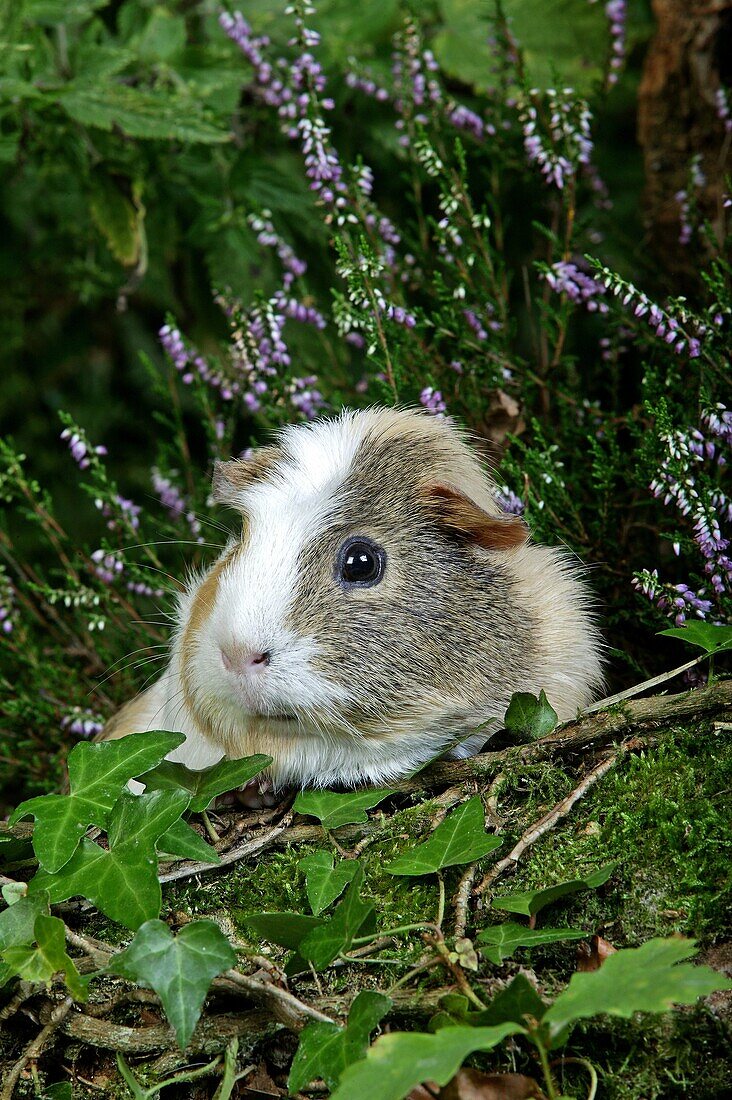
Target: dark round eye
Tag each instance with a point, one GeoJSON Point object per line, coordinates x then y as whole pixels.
{"type": "Point", "coordinates": [361, 563]}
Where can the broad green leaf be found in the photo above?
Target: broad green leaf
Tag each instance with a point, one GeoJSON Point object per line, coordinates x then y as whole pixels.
{"type": "Point", "coordinates": [398, 1062]}
{"type": "Point", "coordinates": [707, 636]}
{"type": "Point", "coordinates": [530, 716]}
{"type": "Point", "coordinates": [120, 220]}
{"type": "Point", "coordinates": [140, 113]}
{"type": "Point", "coordinates": [650, 978]}
{"type": "Point", "coordinates": [164, 36]}
{"type": "Point", "coordinates": [562, 41]}
{"type": "Point", "coordinates": [17, 924]}
{"type": "Point", "coordinates": [205, 785]}
{"type": "Point", "coordinates": [40, 962]}
{"type": "Point", "coordinates": [335, 936]}
{"type": "Point", "coordinates": [179, 968]}
{"type": "Point", "coordinates": [461, 838]}
{"type": "Point", "coordinates": [325, 883]}
{"type": "Point", "coordinates": [60, 1091]}
{"type": "Point", "coordinates": [512, 1005]}
{"type": "Point", "coordinates": [122, 881]}
{"type": "Point", "coordinates": [13, 891]}
{"type": "Point", "coordinates": [326, 1049]}
{"type": "Point", "coordinates": [532, 901]}
{"type": "Point", "coordinates": [286, 929]}
{"type": "Point", "coordinates": [338, 809]}
{"type": "Point", "coordinates": [97, 774]}
{"type": "Point", "coordinates": [502, 940]}
{"type": "Point", "coordinates": [183, 840]}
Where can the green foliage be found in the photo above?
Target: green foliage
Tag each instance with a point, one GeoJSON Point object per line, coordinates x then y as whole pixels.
{"type": "Point", "coordinates": [97, 774]}
{"type": "Point", "coordinates": [531, 902]}
{"type": "Point", "coordinates": [205, 785]}
{"type": "Point", "coordinates": [333, 809]}
{"type": "Point", "coordinates": [325, 1050]}
{"type": "Point", "coordinates": [711, 637]}
{"type": "Point", "coordinates": [39, 963]}
{"type": "Point", "coordinates": [334, 936]}
{"type": "Point", "coordinates": [650, 978]}
{"type": "Point", "coordinates": [529, 716]}
{"type": "Point", "coordinates": [325, 882]}
{"type": "Point", "coordinates": [17, 925]}
{"type": "Point", "coordinates": [398, 1062]}
{"type": "Point", "coordinates": [502, 940]}
{"type": "Point", "coordinates": [122, 880]}
{"type": "Point", "coordinates": [179, 968]}
{"type": "Point", "coordinates": [461, 838]}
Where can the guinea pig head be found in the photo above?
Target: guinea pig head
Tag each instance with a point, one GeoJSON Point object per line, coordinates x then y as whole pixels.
{"type": "Point", "coordinates": [366, 603]}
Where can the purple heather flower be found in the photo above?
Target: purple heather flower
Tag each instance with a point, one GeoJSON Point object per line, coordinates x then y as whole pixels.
{"type": "Point", "coordinates": [84, 723]}
{"type": "Point", "coordinates": [174, 503]}
{"type": "Point", "coordinates": [616, 14]}
{"type": "Point", "coordinates": [117, 508]}
{"type": "Point", "coordinates": [107, 566]}
{"type": "Point", "coordinates": [305, 397]}
{"type": "Point", "coordinates": [432, 401]}
{"type": "Point", "coordinates": [80, 449]}
{"type": "Point", "coordinates": [509, 501]}
{"type": "Point", "coordinates": [724, 114]}
{"type": "Point", "coordinates": [566, 278]}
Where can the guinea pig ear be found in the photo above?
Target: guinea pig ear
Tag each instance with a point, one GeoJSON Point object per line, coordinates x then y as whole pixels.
{"type": "Point", "coordinates": [466, 520]}
{"type": "Point", "coordinates": [229, 478]}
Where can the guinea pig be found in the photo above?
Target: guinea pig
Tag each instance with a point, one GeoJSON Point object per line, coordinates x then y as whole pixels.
{"type": "Point", "coordinates": [378, 608]}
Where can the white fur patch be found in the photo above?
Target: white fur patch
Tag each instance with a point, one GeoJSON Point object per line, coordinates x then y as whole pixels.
{"type": "Point", "coordinates": [256, 590]}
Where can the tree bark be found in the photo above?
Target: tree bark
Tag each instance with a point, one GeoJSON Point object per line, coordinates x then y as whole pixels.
{"type": "Point", "coordinates": [688, 61]}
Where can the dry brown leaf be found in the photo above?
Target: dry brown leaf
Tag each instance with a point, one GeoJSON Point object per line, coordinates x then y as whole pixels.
{"type": "Point", "coordinates": [471, 1084]}
{"type": "Point", "coordinates": [592, 956]}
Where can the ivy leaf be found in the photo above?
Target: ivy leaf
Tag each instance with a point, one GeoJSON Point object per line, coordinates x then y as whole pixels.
{"type": "Point", "coordinates": [333, 809]}
{"type": "Point", "coordinates": [121, 881]}
{"type": "Point", "coordinates": [712, 639]}
{"type": "Point", "coordinates": [531, 902]}
{"type": "Point", "coordinates": [326, 1049]}
{"type": "Point", "coordinates": [531, 717]}
{"type": "Point", "coordinates": [461, 838]}
{"type": "Point", "coordinates": [650, 978]}
{"type": "Point", "coordinates": [205, 785]}
{"type": "Point", "coordinates": [398, 1062]}
{"type": "Point", "coordinates": [97, 774]}
{"type": "Point", "coordinates": [286, 929]}
{"type": "Point", "coordinates": [324, 883]}
{"type": "Point", "coordinates": [179, 968]}
{"type": "Point", "coordinates": [40, 962]}
{"type": "Point", "coordinates": [17, 924]}
{"type": "Point", "coordinates": [333, 937]}
{"type": "Point", "coordinates": [502, 940]}
{"type": "Point", "coordinates": [512, 1005]}
{"type": "Point", "coordinates": [181, 839]}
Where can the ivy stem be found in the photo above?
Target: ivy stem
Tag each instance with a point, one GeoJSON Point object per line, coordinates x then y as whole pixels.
{"type": "Point", "coordinates": [397, 931]}
{"type": "Point", "coordinates": [586, 1065]}
{"type": "Point", "coordinates": [209, 827]}
{"type": "Point", "coordinates": [441, 902]}
{"type": "Point", "coordinates": [551, 1088]}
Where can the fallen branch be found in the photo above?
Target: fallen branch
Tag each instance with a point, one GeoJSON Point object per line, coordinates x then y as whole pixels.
{"type": "Point", "coordinates": [593, 729]}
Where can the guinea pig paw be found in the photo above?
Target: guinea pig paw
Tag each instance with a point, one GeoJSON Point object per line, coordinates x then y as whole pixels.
{"type": "Point", "coordinates": [257, 794]}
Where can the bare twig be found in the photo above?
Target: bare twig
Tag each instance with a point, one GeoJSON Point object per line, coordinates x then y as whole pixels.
{"type": "Point", "coordinates": [550, 819]}
{"type": "Point", "coordinates": [248, 848]}
{"type": "Point", "coordinates": [462, 900]}
{"type": "Point", "coordinates": [630, 693]}
{"type": "Point", "coordinates": [34, 1048]}
{"type": "Point", "coordinates": [284, 1006]}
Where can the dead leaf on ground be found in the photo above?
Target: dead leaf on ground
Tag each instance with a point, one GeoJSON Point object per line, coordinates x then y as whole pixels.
{"type": "Point", "coordinates": [260, 1086]}
{"type": "Point", "coordinates": [719, 958]}
{"type": "Point", "coordinates": [592, 956]}
{"type": "Point", "coordinates": [472, 1084]}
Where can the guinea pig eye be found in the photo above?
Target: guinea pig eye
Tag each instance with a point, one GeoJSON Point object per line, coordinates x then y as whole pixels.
{"type": "Point", "coordinates": [360, 563]}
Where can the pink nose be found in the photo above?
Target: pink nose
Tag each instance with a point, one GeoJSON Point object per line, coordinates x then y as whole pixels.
{"type": "Point", "coordinates": [238, 660]}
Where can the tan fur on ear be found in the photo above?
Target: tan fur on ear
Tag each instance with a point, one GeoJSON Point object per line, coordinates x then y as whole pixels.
{"type": "Point", "coordinates": [229, 478]}
{"type": "Point", "coordinates": [466, 519]}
